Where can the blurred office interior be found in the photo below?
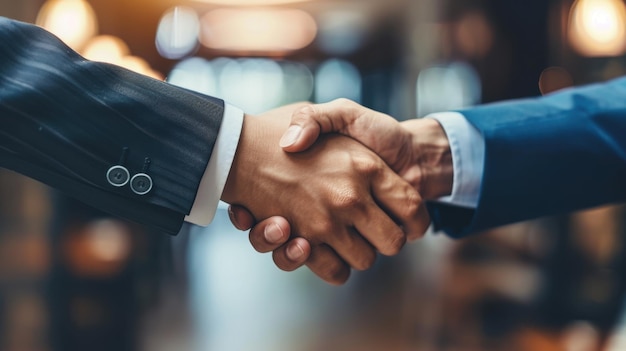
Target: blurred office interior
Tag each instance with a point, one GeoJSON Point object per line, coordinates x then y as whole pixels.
{"type": "Point", "coordinates": [72, 278]}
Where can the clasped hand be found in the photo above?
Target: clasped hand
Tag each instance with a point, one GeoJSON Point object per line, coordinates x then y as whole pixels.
{"type": "Point", "coordinates": [330, 202]}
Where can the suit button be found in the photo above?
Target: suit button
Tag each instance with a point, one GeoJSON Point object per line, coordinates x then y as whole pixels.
{"type": "Point", "coordinates": [141, 184]}
{"type": "Point", "coordinates": [118, 176]}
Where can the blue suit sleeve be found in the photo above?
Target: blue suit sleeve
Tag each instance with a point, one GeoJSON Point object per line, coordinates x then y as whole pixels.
{"type": "Point", "coordinates": [544, 156]}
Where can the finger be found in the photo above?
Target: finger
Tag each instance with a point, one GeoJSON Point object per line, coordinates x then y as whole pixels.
{"type": "Point", "coordinates": [270, 234]}
{"type": "Point", "coordinates": [400, 201]}
{"type": "Point", "coordinates": [379, 229]}
{"type": "Point", "coordinates": [241, 218]}
{"type": "Point", "coordinates": [308, 122]}
{"type": "Point", "coordinates": [326, 264]}
{"type": "Point", "coordinates": [292, 255]}
{"type": "Point", "coordinates": [353, 249]}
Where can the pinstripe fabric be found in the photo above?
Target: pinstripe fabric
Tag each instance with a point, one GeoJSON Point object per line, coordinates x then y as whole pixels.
{"type": "Point", "coordinates": [65, 122]}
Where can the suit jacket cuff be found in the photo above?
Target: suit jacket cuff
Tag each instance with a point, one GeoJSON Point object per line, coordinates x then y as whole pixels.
{"type": "Point", "coordinates": [214, 179]}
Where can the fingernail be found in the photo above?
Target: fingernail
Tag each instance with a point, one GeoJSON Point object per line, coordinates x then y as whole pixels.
{"type": "Point", "coordinates": [291, 136]}
{"type": "Point", "coordinates": [273, 233]}
{"type": "Point", "coordinates": [294, 252]}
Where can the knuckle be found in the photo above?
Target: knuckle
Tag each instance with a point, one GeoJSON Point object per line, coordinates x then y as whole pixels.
{"type": "Point", "coordinates": [348, 108]}
{"type": "Point", "coordinates": [343, 102]}
{"type": "Point", "coordinates": [367, 165]}
{"type": "Point", "coordinates": [323, 228]}
{"type": "Point", "coordinates": [346, 200]}
{"type": "Point", "coordinates": [305, 112]}
{"type": "Point", "coordinates": [417, 235]}
{"type": "Point", "coordinates": [366, 262]}
{"type": "Point", "coordinates": [413, 204]}
{"type": "Point", "coordinates": [335, 273]}
{"type": "Point", "coordinates": [395, 242]}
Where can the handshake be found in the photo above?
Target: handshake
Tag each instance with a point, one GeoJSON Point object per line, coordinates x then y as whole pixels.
{"type": "Point", "coordinates": [336, 185]}
{"type": "Point", "coordinates": [330, 201]}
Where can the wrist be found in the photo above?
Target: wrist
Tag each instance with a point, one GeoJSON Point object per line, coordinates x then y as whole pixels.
{"type": "Point", "coordinates": [432, 155]}
{"type": "Point", "coordinates": [254, 171]}
{"type": "Point", "coordinates": [243, 162]}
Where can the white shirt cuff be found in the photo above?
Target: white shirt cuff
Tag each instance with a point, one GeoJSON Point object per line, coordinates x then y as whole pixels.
{"type": "Point", "coordinates": [214, 179]}
{"type": "Point", "coordinates": [468, 158]}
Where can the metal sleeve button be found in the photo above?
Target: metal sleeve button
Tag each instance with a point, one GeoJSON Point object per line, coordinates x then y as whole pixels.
{"type": "Point", "coordinates": [141, 184]}
{"type": "Point", "coordinates": [118, 176]}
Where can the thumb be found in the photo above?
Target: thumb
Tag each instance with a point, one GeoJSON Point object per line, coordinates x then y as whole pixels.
{"type": "Point", "coordinates": [303, 130]}
{"type": "Point", "coordinates": [308, 122]}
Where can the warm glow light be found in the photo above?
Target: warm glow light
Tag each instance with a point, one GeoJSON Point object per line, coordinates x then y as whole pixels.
{"type": "Point", "coordinates": [244, 30]}
{"type": "Point", "coordinates": [108, 241]}
{"type": "Point", "coordinates": [598, 27]}
{"type": "Point", "coordinates": [553, 79]}
{"type": "Point", "coordinates": [98, 249]}
{"type": "Point", "coordinates": [474, 34]}
{"type": "Point", "coordinates": [113, 50]}
{"type": "Point", "coordinates": [74, 21]}
{"type": "Point", "coordinates": [106, 48]}
{"type": "Point", "coordinates": [135, 64]}
{"type": "Point", "coordinates": [250, 2]}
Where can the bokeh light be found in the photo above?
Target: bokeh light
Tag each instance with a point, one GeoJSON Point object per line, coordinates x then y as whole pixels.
{"type": "Point", "coordinates": [553, 79]}
{"type": "Point", "coordinates": [195, 74]}
{"type": "Point", "coordinates": [109, 240]}
{"type": "Point", "coordinates": [250, 2]}
{"type": "Point", "coordinates": [298, 82]}
{"type": "Point", "coordinates": [474, 34]}
{"type": "Point", "coordinates": [101, 248]}
{"type": "Point", "coordinates": [177, 33]}
{"type": "Point", "coordinates": [598, 27]}
{"type": "Point", "coordinates": [135, 64]}
{"type": "Point", "coordinates": [106, 48]}
{"type": "Point", "coordinates": [73, 21]}
{"type": "Point", "coordinates": [257, 30]}
{"type": "Point", "coordinates": [447, 87]}
{"type": "Point", "coordinates": [337, 79]}
{"type": "Point", "coordinates": [113, 50]}
{"type": "Point", "coordinates": [254, 85]}
{"type": "Point", "coordinates": [342, 32]}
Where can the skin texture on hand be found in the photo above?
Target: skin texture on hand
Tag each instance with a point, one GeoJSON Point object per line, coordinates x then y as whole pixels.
{"type": "Point", "coordinates": [418, 149]}
{"type": "Point", "coordinates": [273, 235]}
{"type": "Point", "coordinates": [335, 195]}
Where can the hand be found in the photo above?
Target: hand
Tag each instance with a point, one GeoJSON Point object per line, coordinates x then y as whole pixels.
{"type": "Point", "coordinates": [335, 195]}
{"type": "Point", "coordinates": [417, 149]}
{"type": "Point", "coordinates": [271, 235]}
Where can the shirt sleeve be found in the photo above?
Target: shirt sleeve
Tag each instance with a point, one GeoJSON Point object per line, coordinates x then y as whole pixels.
{"type": "Point", "coordinates": [468, 158]}
{"type": "Point", "coordinates": [214, 179]}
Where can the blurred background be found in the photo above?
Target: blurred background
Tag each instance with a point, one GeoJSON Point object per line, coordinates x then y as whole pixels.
{"type": "Point", "coordinates": [72, 278]}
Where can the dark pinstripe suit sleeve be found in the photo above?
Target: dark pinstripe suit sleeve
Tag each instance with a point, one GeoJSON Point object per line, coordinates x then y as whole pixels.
{"type": "Point", "coordinates": [65, 121]}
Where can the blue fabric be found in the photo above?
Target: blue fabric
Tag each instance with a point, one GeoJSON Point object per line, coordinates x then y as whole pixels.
{"type": "Point", "coordinates": [544, 156]}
